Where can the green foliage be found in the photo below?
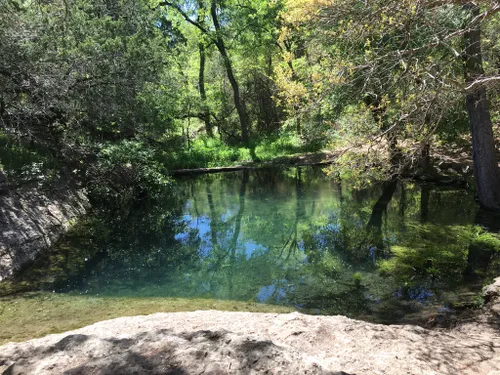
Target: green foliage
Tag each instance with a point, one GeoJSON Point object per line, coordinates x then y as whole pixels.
{"type": "Point", "coordinates": [357, 277]}
{"type": "Point", "coordinates": [487, 241]}
{"type": "Point", "coordinates": [23, 165]}
{"type": "Point", "coordinates": [311, 74]}
{"type": "Point", "coordinates": [454, 125]}
{"type": "Point", "coordinates": [210, 152]}
{"type": "Point", "coordinates": [127, 164]}
{"type": "Point", "coordinates": [344, 60]}
{"type": "Point", "coordinates": [478, 302]}
{"type": "Point", "coordinates": [206, 153]}
{"type": "Point", "coordinates": [286, 143]}
{"type": "Point", "coordinates": [72, 78]}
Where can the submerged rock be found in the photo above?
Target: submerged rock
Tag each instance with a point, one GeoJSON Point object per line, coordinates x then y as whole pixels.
{"type": "Point", "coordinates": [31, 221]}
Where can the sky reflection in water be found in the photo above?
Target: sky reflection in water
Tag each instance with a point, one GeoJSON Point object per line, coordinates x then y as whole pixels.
{"type": "Point", "coordinates": [295, 237]}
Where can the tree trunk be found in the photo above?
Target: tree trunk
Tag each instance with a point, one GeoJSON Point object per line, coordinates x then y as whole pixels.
{"type": "Point", "coordinates": [298, 125]}
{"type": "Point", "coordinates": [203, 95]}
{"type": "Point", "coordinates": [486, 171]}
{"type": "Point", "coordinates": [381, 205]}
{"type": "Point", "coordinates": [205, 112]}
{"type": "Point", "coordinates": [240, 106]}
{"type": "Point", "coordinates": [378, 111]}
{"type": "Point", "coordinates": [425, 156]}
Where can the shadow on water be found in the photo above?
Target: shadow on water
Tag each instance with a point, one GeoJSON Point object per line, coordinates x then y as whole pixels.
{"type": "Point", "coordinates": [393, 252]}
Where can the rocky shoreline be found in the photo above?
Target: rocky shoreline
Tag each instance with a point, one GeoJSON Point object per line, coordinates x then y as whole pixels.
{"type": "Point", "coordinates": [216, 342]}
{"type": "Point", "coordinates": [32, 220]}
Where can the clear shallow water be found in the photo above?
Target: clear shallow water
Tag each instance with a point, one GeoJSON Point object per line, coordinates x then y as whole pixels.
{"type": "Point", "coordinates": [393, 252]}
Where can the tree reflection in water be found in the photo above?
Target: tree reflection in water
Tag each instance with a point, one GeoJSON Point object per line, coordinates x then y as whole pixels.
{"type": "Point", "coordinates": [388, 252]}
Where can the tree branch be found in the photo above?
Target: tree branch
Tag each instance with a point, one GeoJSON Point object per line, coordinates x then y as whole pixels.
{"type": "Point", "coordinates": [480, 82]}
{"type": "Point", "coordinates": [185, 16]}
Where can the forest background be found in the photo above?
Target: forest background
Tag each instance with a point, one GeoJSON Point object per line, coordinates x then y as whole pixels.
{"type": "Point", "coordinates": [114, 94]}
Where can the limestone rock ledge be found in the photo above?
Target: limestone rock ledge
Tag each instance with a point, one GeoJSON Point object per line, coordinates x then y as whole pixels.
{"type": "Point", "coordinates": [215, 342]}
{"type": "Point", "coordinates": [31, 221]}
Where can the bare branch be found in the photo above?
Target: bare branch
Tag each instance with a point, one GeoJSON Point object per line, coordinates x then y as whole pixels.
{"type": "Point", "coordinates": [483, 81]}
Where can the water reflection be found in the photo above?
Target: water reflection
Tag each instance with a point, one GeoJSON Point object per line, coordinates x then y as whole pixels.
{"type": "Point", "coordinates": [295, 237]}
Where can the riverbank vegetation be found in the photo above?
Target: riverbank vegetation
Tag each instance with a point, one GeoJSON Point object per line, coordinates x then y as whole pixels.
{"type": "Point", "coordinates": [114, 94]}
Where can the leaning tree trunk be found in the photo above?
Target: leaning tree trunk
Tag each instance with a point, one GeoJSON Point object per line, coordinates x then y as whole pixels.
{"type": "Point", "coordinates": [380, 207]}
{"type": "Point", "coordinates": [379, 111]}
{"type": "Point", "coordinates": [238, 103]}
{"type": "Point", "coordinates": [486, 171]}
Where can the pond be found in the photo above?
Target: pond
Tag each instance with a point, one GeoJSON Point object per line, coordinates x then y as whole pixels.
{"type": "Point", "coordinates": [394, 252]}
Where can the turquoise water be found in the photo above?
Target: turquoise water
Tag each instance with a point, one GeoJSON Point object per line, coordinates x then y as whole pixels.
{"type": "Point", "coordinates": [393, 252]}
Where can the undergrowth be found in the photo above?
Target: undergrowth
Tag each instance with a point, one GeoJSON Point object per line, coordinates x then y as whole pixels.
{"type": "Point", "coordinates": [210, 152]}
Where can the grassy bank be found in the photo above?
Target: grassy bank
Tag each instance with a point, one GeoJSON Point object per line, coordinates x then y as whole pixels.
{"type": "Point", "coordinates": [35, 315]}
{"type": "Point", "coordinates": [209, 152]}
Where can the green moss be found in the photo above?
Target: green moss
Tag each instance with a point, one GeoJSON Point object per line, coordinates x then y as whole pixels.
{"type": "Point", "coordinates": [429, 250]}
{"type": "Point", "coordinates": [33, 315]}
{"type": "Point", "coordinates": [393, 265]}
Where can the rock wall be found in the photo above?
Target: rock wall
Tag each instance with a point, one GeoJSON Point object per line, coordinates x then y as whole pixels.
{"type": "Point", "coordinates": [31, 221]}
